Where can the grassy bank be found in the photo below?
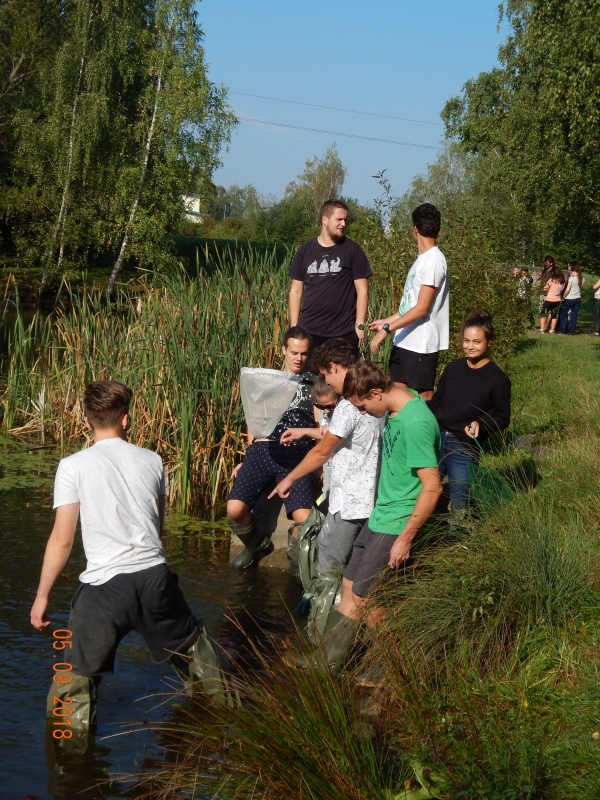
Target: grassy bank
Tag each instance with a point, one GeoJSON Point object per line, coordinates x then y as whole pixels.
{"type": "Point", "coordinates": [490, 652]}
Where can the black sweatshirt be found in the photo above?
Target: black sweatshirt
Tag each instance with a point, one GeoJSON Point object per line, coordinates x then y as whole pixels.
{"type": "Point", "coordinates": [466, 395]}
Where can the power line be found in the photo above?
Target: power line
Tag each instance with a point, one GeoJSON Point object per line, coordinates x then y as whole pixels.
{"type": "Point", "coordinates": [337, 133]}
{"type": "Point", "coordinates": [333, 108]}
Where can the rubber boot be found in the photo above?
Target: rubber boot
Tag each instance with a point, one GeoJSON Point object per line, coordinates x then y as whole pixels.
{"type": "Point", "coordinates": [201, 667]}
{"type": "Point", "coordinates": [251, 537]}
{"type": "Point", "coordinates": [337, 641]}
{"type": "Point", "coordinates": [80, 696]}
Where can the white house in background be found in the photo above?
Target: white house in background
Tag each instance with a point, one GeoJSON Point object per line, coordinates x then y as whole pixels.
{"type": "Point", "coordinates": [193, 211]}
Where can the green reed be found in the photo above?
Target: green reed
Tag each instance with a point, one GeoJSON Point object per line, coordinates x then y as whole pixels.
{"type": "Point", "coordinates": [179, 342]}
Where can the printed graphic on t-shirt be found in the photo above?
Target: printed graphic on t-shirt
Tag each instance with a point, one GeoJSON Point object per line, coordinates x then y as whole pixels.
{"type": "Point", "coordinates": [408, 299]}
{"type": "Point", "coordinates": [389, 442]}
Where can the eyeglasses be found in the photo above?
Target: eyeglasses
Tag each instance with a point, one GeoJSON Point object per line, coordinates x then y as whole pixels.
{"type": "Point", "coordinates": [324, 406]}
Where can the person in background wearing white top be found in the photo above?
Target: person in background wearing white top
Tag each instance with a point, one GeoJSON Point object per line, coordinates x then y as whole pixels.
{"type": "Point", "coordinates": [571, 299]}
{"type": "Point", "coordinates": [422, 324]}
{"type": "Point", "coordinates": [596, 288]}
{"type": "Point", "coordinates": [353, 443]}
{"type": "Point", "coordinates": [119, 490]}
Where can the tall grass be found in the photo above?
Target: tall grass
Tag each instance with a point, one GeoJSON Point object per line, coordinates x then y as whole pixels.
{"type": "Point", "coordinates": [178, 342]}
{"type": "Point", "coordinates": [489, 652]}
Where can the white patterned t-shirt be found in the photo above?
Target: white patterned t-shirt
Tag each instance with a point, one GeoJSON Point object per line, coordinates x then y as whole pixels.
{"type": "Point", "coordinates": [431, 333]}
{"type": "Point", "coordinates": [355, 462]}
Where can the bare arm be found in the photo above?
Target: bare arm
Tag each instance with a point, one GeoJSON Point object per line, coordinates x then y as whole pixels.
{"type": "Point", "coordinates": [56, 556]}
{"type": "Point", "coordinates": [431, 489]}
{"type": "Point", "coordinates": [420, 310]}
{"type": "Point", "coordinates": [567, 289]}
{"type": "Point", "coordinates": [311, 462]}
{"type": "Point", "coordinates": [362, 304]}
{"type": "Point", "coordinates": [293, 434]}
{"type": "Point", "coordinates": [296, 292]}
{"type": "Point", "coordinates": [596, 285]}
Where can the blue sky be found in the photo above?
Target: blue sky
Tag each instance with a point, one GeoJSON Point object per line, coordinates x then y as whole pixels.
{"type": "Point", "coordinates": [389, 57]}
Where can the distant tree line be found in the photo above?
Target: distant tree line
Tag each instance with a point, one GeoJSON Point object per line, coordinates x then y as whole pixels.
{"type": "Point", "coordinates": [107, 117]}
{"type": "Point", "coordinates": [242, 213]}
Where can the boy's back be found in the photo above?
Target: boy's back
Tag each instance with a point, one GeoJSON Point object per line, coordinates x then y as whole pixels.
{"type": "Point", "coordinates": [118, 486]}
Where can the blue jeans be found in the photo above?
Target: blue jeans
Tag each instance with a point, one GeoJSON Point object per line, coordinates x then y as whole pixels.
{"type": "Point", "coordinates": [453, 462]}
{"type": "Point", "coordinates": [573, 307]}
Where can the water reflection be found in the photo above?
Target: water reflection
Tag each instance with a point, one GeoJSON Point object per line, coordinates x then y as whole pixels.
{"type": "Point", "coordinates": [33, 763]}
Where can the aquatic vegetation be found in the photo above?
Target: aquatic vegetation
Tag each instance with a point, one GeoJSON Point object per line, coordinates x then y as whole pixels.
{"type": "Point", "coordinates": [179, 342]}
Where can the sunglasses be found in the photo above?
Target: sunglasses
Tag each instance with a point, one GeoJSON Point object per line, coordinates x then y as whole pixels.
{"type": "Point", "coordinates": [324, 406]}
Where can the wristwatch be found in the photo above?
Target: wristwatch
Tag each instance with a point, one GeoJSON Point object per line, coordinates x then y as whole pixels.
{"type": "Point", "coordinates": [360, 326]}
{"type": "Point", "coordinates": [385, 327]}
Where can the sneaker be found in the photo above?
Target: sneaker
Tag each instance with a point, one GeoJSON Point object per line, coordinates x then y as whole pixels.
{"type": "Point", "coordinates": [541, 331]}
{"type": "Point", "coordinates": [551, 331]}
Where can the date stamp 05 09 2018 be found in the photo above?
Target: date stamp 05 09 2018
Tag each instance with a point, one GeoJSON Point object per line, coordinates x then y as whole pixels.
{"type": "Point", "coordinates": [62, 674]}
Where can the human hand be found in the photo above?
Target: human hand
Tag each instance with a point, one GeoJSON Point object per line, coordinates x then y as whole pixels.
{"type": "Point", "coordinates": [289, 436]}
{"type": "Point", "coordinates": [282, 489]}
{"type": "Point", "coordinates": [38, 613]}
{"type": "Point", "coordinates": [377, 325]}
{"type": "Point", "coordinates": [361, 335]}
{"type": "Point", "coordinates": [236, 469]}
{"type": "Point", "coordinates": [472, 430]}
{"type": "Point", "coordinates": [377, 340]}
{"type": "Point", "coordinates": [399, 553]}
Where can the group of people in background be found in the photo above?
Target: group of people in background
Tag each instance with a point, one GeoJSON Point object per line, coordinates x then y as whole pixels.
{"type": "Point", "coordinates": [560, 297]}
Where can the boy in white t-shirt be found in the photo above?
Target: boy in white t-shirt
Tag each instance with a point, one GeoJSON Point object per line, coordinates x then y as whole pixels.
{"type": "Point", "coordinates": [352, 442]}
{"type": "Point", "coordinates": [119, 490]}
{"type": "Point", "coordinates": [422, 325]}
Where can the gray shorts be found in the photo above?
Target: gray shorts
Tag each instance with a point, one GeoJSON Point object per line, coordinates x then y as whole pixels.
{"type": "Point", "coordinates": [336, 539]}
{"type": "Point", "coordinates": [370, 555]}
{"type": "Point", "coordinates": [149, 602]}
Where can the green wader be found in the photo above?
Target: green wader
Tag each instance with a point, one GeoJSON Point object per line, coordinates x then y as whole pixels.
{"type": "Point", "coordinates": [250, 536]}
{"type": "Point", "coordinates": [322, 588]}
{"type": "Point", "coordinates": [80, 696]}
{"type": "Point", "coordinates": [201, 668]}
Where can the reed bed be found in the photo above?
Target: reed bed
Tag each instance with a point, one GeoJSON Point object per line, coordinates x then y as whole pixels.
{"type": "Point", "coordinates": [179, 342]}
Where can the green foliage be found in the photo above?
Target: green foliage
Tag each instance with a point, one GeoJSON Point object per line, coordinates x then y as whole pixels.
{"type": "Point", "coordinates": [533, 124]}
{"type": "Point", "coordinates": [120, 122]}
{"type": "Point", "coordinates": [242, 213]}
{"type": "Point", "coordinates": [470, 244]}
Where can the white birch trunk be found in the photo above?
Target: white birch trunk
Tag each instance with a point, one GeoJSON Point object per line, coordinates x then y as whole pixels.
{"type": "Point", "coordinates": [60, 222]}
{"type": "Point", "coordinates": [136, 201]}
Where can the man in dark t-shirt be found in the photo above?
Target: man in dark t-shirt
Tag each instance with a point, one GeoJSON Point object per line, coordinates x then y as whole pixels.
{"type": "Point", "coordinates": [329, 292]}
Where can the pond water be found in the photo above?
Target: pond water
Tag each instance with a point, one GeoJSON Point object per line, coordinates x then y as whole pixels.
{"type": "Point", "coordinates": [32, 765]}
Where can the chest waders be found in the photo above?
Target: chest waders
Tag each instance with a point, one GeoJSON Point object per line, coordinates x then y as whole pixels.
{"type": "Point", "coordinates": [200, 667]}
{"type": "Point", "coordinates": [322, 588]}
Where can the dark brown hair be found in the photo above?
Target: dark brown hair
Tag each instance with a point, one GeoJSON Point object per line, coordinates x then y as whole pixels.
{"type": "Point", "coordinates": [427, 220]}
{"type": "Point", "coordinates": [479, 318]}
{"type": "Point", "coordinates": [328, 207]}
{"type": "Point", "coordinates": [321, 388]}
{"type": "Point", "coordinates": [364, 376]}
{"type": "Point", "coordinates": [296, 333]}
{"type": "Point", "coordinates": [334, 351]}
{"type": "Point", "coordinates": [574, 267]}
{"type": "Point", "coordinates": [105, 402]}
